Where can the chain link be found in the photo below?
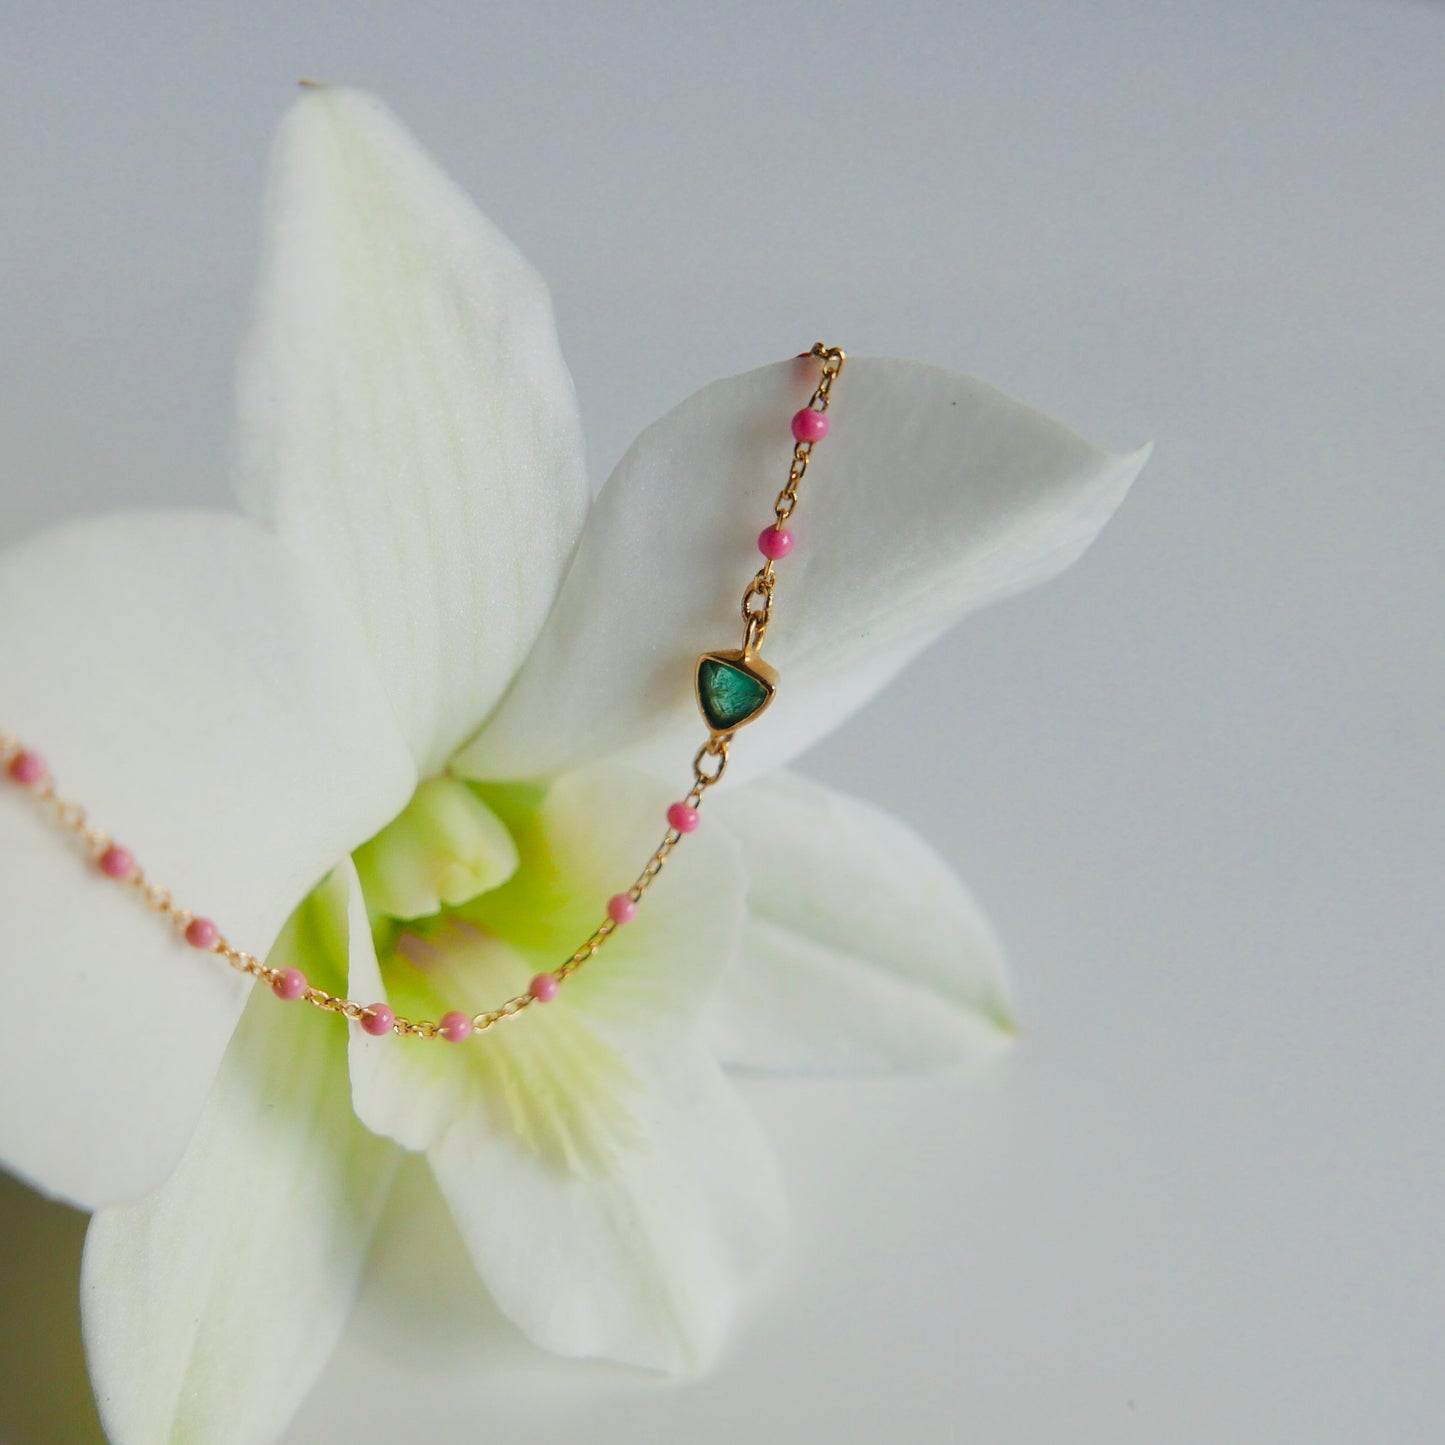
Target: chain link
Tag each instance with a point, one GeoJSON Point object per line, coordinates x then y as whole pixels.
{"type": "Point", "coordinates": [708, 767]}
{"type": "Point", "coordinates": [757, 618]}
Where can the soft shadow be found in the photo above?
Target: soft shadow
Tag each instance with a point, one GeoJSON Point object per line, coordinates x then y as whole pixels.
{"type": "Point", "coordinates": [45, 1396]}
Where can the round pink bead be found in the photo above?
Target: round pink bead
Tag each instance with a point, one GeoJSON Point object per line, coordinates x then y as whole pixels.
{"type": "Point", "coordinates": [27, 768]}
{"type": "Point", "coordinates": [544, 987]}
{"type": "Point", "coordinates": [775, 542]}
{"type": "Point", "coordinates": [809, 425]}
{"type": "Point", "coordinates": [202, 933]}
{"type": "Point", "coordinates": [621, 908]}
{"type": "Point", "coordinates": [455, 1027]}
{"type": "Point", "coordinates": [378, 1020]}
{"type": "Point", "coordinates": [289, 983]}
{"type": "Point", "coordinates": [684, 817]}
{"type": "Point", "coordinates": [116, 862]}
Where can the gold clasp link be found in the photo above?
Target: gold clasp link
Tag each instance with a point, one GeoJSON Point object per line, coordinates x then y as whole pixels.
{"type": "Point", "coordinates": [715, 747]}
{"type": "Point", "coordinates": [756, 618]}
{"type": "Point", "coordinates": [833, 357]}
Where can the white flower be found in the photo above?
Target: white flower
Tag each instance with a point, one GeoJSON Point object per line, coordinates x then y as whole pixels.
{"type": "Point", "coordinates": [419, 589]}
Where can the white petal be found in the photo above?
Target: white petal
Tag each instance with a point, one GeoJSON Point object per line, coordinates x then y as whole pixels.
{"type": "Point", "coordinates": [211, 1305]}
{"type": "Point", "coordinates": [933, 495]}
{"type": "Point", "coordinates": [647, 1260]}
{"type": "Point", "coordinates": [212, 706]}
{"type": "Point", "coordinates": [862, 949]}
{"type": "Point", "coordinates": [405, 417]}
{"type": "Point", "coordinates": [612, 1190]}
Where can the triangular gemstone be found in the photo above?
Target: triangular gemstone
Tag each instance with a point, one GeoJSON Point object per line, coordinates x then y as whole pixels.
{"type": "Point", "coordinates": [729, 693]}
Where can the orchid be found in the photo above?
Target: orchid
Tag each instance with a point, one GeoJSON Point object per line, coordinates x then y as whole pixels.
{"type": "Point", "coordinates": [403, 723]}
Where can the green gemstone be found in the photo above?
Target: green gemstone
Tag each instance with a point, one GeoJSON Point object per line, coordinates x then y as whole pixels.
{"type": "Point", "coordinates": [729, 695]}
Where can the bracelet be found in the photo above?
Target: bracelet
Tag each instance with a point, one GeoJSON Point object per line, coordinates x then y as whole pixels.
{"type": "Point", "coordinates": [733, 687]}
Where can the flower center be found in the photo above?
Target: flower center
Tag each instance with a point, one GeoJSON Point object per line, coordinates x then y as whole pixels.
{"type": "Point", "coordinates": [444, 848]}
{"type": "Point", "coordinates": [468, 898]}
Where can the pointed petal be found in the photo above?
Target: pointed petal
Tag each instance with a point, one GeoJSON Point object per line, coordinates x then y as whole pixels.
{"type": "Point", "coordinates": [405, 417]}
{"type": "Point", "coordinates": [933, 495]}
{"type": "Point", "coordinates": [213, 707]}
{"type": "Point", "coordinates": [212, 1304]}
{"type": "Point", "coordinates": [613, 1191]}
{"type": "Point", "coordinates": [862, 949]}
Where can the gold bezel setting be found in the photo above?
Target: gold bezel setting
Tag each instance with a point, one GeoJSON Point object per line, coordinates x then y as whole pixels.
{"type": "Point", "coordinates": [735, 659]}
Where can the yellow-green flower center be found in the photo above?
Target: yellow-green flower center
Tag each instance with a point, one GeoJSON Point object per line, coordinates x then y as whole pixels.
{"type": "Point", "coordinates": [469, 895]}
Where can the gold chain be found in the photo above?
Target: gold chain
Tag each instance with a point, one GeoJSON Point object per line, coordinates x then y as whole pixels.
{"type": "Point", "coordinates": [24, 766]}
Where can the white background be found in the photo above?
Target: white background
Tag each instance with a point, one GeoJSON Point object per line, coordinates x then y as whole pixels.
{"type": "Point", "coordinates": [1197, 782]}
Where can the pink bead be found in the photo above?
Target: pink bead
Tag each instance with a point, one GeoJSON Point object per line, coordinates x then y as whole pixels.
{"type": "Point", "coordinates": [289, 983]}
{"type": "Point", "coordinates": [809, 425]}
{"type": "Point", "coordinates": [684, 817]}
{"type": "Point", "coordinates": [621, 908]}
{"type": "Point", "coordinates": [117, 862]}
{"type": "Point", "coordinates": [378, 1020]}
{"type": "Point", "coordinates": [27, 768]}
{"type": "Point", "coordinates": [775, 542]}
{"type": "Point", "coordinates": [544, 987]}
{"type": "Point", "coordinates": [202, 933]}
{"type": "Point", "coordinates": [455, 1027]}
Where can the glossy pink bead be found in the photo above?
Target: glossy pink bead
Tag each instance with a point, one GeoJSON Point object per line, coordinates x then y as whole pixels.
{"type": "Point", "coordinates": [27, 768]}
{"type": "Point", "coordinates": [378, 1020]}
{"type": "Point", "coordinates": [621, 908]}
{"type": "Point", "coordinates": [544, 987]}
{"type": "Point", "coordinates": [775, 542]}
{"type": "Point", "coordinates": [684, 817]}
{"type": "Point", "coordinates": [455, 1027]}
{"type": "Point", "coordinates": [202, 933]}
{"type": "Point", "coordinates": [290, 983]}
{"type": "Point", "coordinates": [116, 862]}
{"type": "Point", "coordinates": [809, 425]}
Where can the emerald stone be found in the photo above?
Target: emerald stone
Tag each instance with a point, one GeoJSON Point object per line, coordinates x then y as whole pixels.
{"type": "Point", "coordinates": [729, 693]}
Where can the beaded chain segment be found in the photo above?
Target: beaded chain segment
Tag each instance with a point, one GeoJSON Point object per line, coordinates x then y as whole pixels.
{"type": "Point", "coordinates": [733, 686]}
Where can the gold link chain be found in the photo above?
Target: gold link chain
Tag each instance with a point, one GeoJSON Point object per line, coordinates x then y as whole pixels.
{"type": "Point", "coordinates": [708, 767]}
